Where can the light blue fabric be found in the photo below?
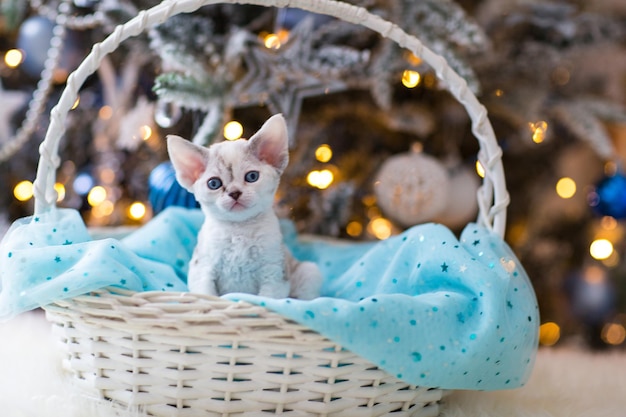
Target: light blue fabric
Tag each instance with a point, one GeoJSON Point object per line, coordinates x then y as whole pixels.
{"type": "Point", "coordinates": [425, 306]}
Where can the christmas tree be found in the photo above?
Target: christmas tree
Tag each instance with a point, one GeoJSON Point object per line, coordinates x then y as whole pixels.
{"type": "Point", "coordinates": [377, 144]}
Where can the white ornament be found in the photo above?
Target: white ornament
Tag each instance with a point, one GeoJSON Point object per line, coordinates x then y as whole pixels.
{"type": "Point", "coordinates": [462, 205]}
{"type": "Point", "coordinates": [412, 188]}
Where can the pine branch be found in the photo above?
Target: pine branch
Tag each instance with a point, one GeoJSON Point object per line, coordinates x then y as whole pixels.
{"type": "Point", "coordinates": [187, 91]}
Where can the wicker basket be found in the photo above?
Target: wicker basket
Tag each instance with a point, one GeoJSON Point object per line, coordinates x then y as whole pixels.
{"type": "Point", "coordinates": [179, 354]}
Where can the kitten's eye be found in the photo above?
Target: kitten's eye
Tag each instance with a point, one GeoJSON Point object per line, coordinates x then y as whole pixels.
{"type": "Point", "coordinates": [214, 183]}
{"type": "Point", "coordinates": [252, 176]}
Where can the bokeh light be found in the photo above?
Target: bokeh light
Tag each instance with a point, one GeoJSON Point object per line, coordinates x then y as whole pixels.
{"type": "Point", "coordinates": [566, 187]}
{"type": "Point", "coordinates": [320, 179]}
{"type": "Point", "coordinates": [13, 58]}
{"type": "Point", "coordinates": [323, 153]}
{"type": "Point", "coordinates": [601, 249]}
{"type": "Point", "coordinates": [549, 333]}
{"type": "Point", "coordinates": [97, 196]}
{"type": "Point", "coordinates": [233, 130]}
{"type": "Point", "coordinates": [411, 79]}
{"type": "Point", "coordinates": [23, 191]}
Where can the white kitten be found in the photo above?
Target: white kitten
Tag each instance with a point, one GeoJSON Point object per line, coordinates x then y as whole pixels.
{"type": "Point", "coordinates": [240, 247]}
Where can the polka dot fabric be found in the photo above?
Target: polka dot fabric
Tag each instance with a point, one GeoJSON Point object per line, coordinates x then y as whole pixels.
{"type": "Point", "coordinates": [52, 257]}
{"type": "Point", "coordinates": [427, 307]}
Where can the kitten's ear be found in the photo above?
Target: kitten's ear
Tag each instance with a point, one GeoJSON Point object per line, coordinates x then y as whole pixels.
{"type": "Point", "coordinates": [270, 144]}
{"type": "Point", "coordinates": [189, 160]}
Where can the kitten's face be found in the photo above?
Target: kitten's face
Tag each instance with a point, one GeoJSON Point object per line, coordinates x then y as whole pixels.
{"type": "Point", "coordinates": [234, 181]}
{"type": "Point", "coordinates": [235, 186]}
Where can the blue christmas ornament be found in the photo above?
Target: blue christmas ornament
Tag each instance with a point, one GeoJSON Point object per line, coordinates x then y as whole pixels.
{"type": "Point", "coordinates": [609, 196]}
{"type": "Point", "coordinates": [33, 39]}
{"type": "Point", "coordinates": [165, 191]}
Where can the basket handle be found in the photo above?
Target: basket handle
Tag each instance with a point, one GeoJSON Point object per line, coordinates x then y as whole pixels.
{"type": "Point", "coordinates": [492, 196]}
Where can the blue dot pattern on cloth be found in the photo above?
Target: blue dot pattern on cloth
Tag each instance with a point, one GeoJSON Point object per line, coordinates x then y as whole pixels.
{"type": "Point", "coordinates": [425, 306]}
{"type": "Point", "coordinates": [52, 256]}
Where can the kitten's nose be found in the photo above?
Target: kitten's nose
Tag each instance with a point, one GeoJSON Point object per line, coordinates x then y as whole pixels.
{"type": "Point", "coordinates": [235, 194]}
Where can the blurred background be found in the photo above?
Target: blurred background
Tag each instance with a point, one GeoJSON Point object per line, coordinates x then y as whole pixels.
{"type": "Point", "coordinates": [377, 144]}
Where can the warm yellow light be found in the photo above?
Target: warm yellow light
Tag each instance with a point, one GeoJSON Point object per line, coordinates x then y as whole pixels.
{"type": "Point", "coordinates": [410, 78]}
{"type": "Point", "coordinates": [413, 59]}
{"type": "Point", "coordinates": [549, 333]}
{"type": "Point", "coordinates": [480, 170]}
{"type": "Point", "coordinates": [106, 208]}
{"type": "Point", "coordinates": [76, 103]}
{"type": "Point", "coordinates": [13, 58]}
{"type": "Point", "coordinates": [354, 229]}
{"type": "Point", "coordinates": [566, 187]}
{"type": "Point", "coordinates": [137, 210]}
{"type": "Point", "coordinates": [323, 153]}
{"type": "Point", "coordinates": [145, 132]}
{"type": "Point", "coordinates": [272, 41]}
{"type": "Point", "coordinates": [320, 179]}
{"type": "Point", "coordinates": [380, 228]}
{"type": "Point", "coordinates": [60, 189]}
{"type": "Point", "coordinates": [538, 130]}
{"type": "Point", "coordinates": [498, 93]}
{"type": "Point", "coordinates": [97, 195]}
{"type": "Point", "coordinates": [233, 130]}
{"type": "Point", "coordinates": [23, 191]}
{"type": "Point", "coordinates": [105, 112]}
{"type": "Point", "coordinates": [613, 334]}
{"type": "Point", "coordinates": [601, 249]}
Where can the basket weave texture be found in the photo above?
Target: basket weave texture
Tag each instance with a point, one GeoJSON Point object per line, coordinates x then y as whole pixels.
{"type": "Point", "coordinates": [205, 356]}
{"type": "Point", "coordinates": [179, 354]}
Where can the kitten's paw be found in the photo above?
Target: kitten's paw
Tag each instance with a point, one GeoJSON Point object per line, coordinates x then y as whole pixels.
{"type": "Point", "coordinates": [275, 289]}
{"type": "Point", "coordinates": [201, 286]}
{"type": "Point", "coordinates": [306, 281]}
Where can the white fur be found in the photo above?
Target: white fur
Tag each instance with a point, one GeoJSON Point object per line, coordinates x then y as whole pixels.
{"type": "Point", "coordinates": [565, 383]}
{"type": "Point", "coordinates": [240, 248]}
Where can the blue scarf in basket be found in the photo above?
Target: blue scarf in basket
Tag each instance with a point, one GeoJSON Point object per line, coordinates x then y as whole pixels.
{"type": "Point", "coordinates": [432, 309]}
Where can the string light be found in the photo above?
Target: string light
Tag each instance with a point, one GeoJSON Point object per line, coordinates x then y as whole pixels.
{"type": "Point", "coordinates": [549, 333]}
{"type": "Point", "coordinates": [566, 187]}
{"type": "Point", "coordinates": [320, 179]}
{"type": "Point", "coordinates": [411, 79]}
{"type": "Point", "coordinates": [104, 209]}
{"type": "Point", "coordinates": [97, 196]}
{"type": "Point", "coordinates": [13, 58]}
{"type": "Point", "coordinates": [137, 210]}
{"type": "Point", "coordinates": [354, 229]}
{"type": "Point", "coordinates": [76, 103]}
{"type": "Point", "coordinates": [275, 40]}
{"type": "Point", "coordinates": [613, 334]}
{"type": "Point", "coordinates": [538, 130]}
{"type": "Point", "coordinates": [145, 132]}
{"type": "Point", "coordinates": [601, 249]}
{"type": "Point", "coordinates": [233, 130]}
{"type": "Point", "coordinates": [413, 59]}
{"type": "Point", "coordinates": [60, 189]}
{"type": "Point", "coordinates": [23, 191]}
{"type": "Point", "coordinates": [380, 227]}
{"type": "Point", "coordinates": [480, 170]}
{"type": "Point", "coordinates": [323, 153]}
